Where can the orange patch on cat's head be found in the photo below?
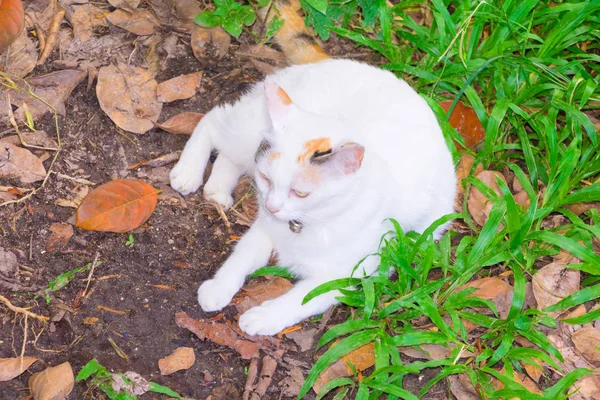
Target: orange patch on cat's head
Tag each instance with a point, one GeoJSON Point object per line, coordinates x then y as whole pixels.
{"type": "Point", "coordinates": [319, 145]}
{"type": "Point", "coordinates": [284, 97]}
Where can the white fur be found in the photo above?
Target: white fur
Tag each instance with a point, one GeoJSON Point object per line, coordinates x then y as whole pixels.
{"type": "Point", "coordinates": [406, 174]}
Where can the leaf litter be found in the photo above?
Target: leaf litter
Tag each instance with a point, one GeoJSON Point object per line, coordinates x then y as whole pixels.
{"type": "Point", "coordinates": [182, 358]}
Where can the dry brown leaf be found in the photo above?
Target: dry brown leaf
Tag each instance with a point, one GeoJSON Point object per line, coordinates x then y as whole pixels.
{"type": "Point", "coordinates": [534, 372]}
{"type": "Point", "coordinates": [520, 378]}
{"type": "Point", "coordinates": [181, 124]}
{"type": "Point", "coordinates": [494, 289]}
{"type": "Point", "coordinates": [127, 95]}
{"type": "Point", "coordinates": [588, 387]}
{"type": "Point", "coordinates": [226, 334]}
{"type": "Point", "coordinates": [291, 385]}
{"type": "Point", "coordinates": [264, 52]}
{"type": "Point", "coordinates": [580, 208]}
{"type": "Point", "coordinates": [10, 368]}
{"type": "Point", "coordinates": [120, 205]}
{"type": "Point", "coordinates": [186, 9]}
{"type": "Point", "coordinates": [9, 265]}
{"type": "Point", "coordinates": [304, 338]}
{"type": "Point", "coordinates": [432, 352]}
{"type": "Point", "coordinates": [61, 234]}
{"type": "Point", "coordinates": [553, 283]}
{"type": "Point", "coordinates": [181, 358]}
{"type": "Point", "coordinates": [587, 341]}
{"type": "Point", "coordinates": [53, 383]}
{"type": "Point", "coordinates": [54, 88]}
{"type": "Point", "coordinates": [256, 292]}
{"type": "Point", "coordinates": [463, 170]}
{"type": "Point", "coordinates": [179, 88]}
{"type": "Point", "coordinates": [85, 18]}
{"type": "Point", "coordinates": [465, 121]}
{"type": "Point", "coordinates": [37, 138]}
{"type": "Point", "coordinates": [263, 67]}
{"type": "Point", "coordinates": [97, 51]}
{"type": "Point", "coordinates": [362, 358]}
{"type": "Point", "coordinates": [462, 388]}
{"type": "Point", "coordinates": [478, 204]}
{"type": "Point", "coordinates": [202, 37]}
{"type": "Point", "coordinates": [21, 56]}
{"type": "Point", "coordinates": [522, 199]}
{"type": "Point", "coordinates": [18, 163]}
{"type": "Point", "coordinates": [139, 22]}
{"type": "Point", "coordinates": [128, 5]}
{"type": "Point", "coordinates": [75, 200]}
{"type": "Point", "coordinates": [577, 312]}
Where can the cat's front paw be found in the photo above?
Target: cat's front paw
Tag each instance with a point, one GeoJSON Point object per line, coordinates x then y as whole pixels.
{"type": "Point", "coordinates": [185, 177]}
{"type": "Point", "coordinates": [265, 320]}
{"type": "Point", "coordinates": [214, 295]}
{"type": "Point", "coordinates": [213, 191]}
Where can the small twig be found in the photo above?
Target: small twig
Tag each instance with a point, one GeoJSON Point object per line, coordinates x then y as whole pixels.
{"type": "Point", "coordinates": [21, 310]}
{"type": "Point", "coordinates": [89, 278]}
{"type": "Point", "coordinates": [52, 35]}
{"type": "Point", "coordinates": [78, 180]}
{"type": "Point", "coordinates": [223, 216]}
{"type": "Point", "coordinates": [24, 343]}
{"type": "Point", "coordinates": [31, 246]}
{"type": "Point", "coordinates": [13, 188]}
{"type": "Point", "coordinates": [118, 350]}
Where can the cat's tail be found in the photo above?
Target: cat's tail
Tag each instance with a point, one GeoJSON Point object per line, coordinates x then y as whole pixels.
{"type": "Point", "coordinates": [297, 43]}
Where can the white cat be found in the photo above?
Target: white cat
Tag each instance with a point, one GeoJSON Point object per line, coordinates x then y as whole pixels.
{"type": "Point", "coordinates": [343, 147]}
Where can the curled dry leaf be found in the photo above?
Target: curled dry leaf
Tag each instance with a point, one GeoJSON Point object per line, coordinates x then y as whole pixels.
{"type": "Point", "coordinates": [117, 206]}
{"type": "Point", "coordinates": [61, 234]}
{"type": "Point", "coordinates": [53, 383]}
{"type": "Point", "coordinates": [139, 22]}
{"type": "Point", "coordinates": [181, 124]}
{"type": "Point", "coordinates": [553, 283]}
{"type": "Point", "coordinates": [256, 292]}
{"type": "Point", "coordinates": [494, 289]}
{"type": "Point", "coordinates": [181, 358]}
{"type": "Point", "coordinates": [179, 88]}
{"type": "Point", "coordinates": [362, 358]}
{"type": "Point", "coordinates": [20, 59]}
{"type": "Point", "coordinates": [12, 21]}
{"type": "Point", "coordinates": [127, 95]}
{"type": "Point", "coordinates": [18, 163]}
{"type": "Point", "coordinates": [478, 204]}
{"type": "Point", "coordinates": [202, 37]}
{"type": "Point", "coordinates": [587, 341]}
{"type": "Point", "coordinates": [10, 368]}
{"type": "Point", "coordinates": [85, 18]}
{"type": "Point", "coordinates": [464, 119]}
{"type": "Point", "coordinates": [224, 333]}
{"type": "Point", "coordinates": [588, 387]}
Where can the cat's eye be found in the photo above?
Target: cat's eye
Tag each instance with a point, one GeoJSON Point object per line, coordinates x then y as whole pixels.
{"type": "Point", "coordinates": [265, 178]}
{"type": "Point", "coordinates": [300, 194]}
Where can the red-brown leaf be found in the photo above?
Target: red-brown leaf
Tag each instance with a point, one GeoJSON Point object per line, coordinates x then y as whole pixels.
{"type": "Point", "coordinates": [465, 121]}
{"type": "Point", "coordinates": [181, 124]}
{"type": "Point", "coordinates": [117, 206]}
{"type": "Point", "coordinates": [12, 21]}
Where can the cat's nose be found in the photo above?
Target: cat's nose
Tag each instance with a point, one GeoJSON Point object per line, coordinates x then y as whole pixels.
{"type": "Point", "coordinates": [273, 209]}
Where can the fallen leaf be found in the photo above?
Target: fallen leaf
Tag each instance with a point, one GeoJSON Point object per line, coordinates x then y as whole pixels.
{"type": "Point", "coordinates": [10, 368]}
{"type": "Point", "coordinates": [53, 88]}
{"type": "Point", "coordinates": [522, 199]}
{"type": "Point", "coordinates": [186, 9]}
{"type": "Point", "coordinates": [179, 88]}
{"type": "Point", "coordinates": [75, 200]}
{"type": "Point", "coordinates": [478, 204]}
{"type": "Point", "coordinates": [139, 22]}
{"type": "Point", "coordinates": [432, 352]}
{"type": "Point", "coordinates": [135, 385]}
{"type": "Point", "coordinates": [463, 169]}
{"type": "Point", "coordinates": [181, 358]}
{"type": "Point", "coordinates": [534, 372]}
{"type": "Point", "coordinates": [61, 234]}
{"type": "Point", "coordinates": [580, 208]}
{"type": "Point", "coordinates": [53, 383]}
{"type": "Point", "coordinates": [128, 5]}
{"type": "Point", "coordinates": [462, 388]}
{"type": "Point", "coordinates": [264, 52]}
{"type": "Point", "coordinates": [263, 67]}
{"type": "Point", "coordinates": [85, 19]}
{"type": "Point", "coordinates": [304, 338]}
{"type": "Point", "coordinates": [227, 391]}
{"type": "Point", "coordinates": [553, 283]}
{"type": "Point", "coordinates": [494, 289]}
{"type": "Point", "coordinates": [9, 265]}
{"type": "Point", "coordinates": [577, 312]}
{"type": "Point", "coordinates": [18, 163]}
{"type": "Point", "coordinates": [12, 21]}
{"type": "Point", "coordinates": [257, 292]}
{"type": "Point", "coordinates": [291, 385]}
{"type": "Point", "coordinates": [37, 138]}
{"type": "Point", "coordinates": [90, 321]}
{"type": "Point", "coordinates": [225, 334]}
{"type": "Point", "coordinates": [588, 387]}
{"type": "Point", "coordinates": [464, 119]}
{"type": "Point", "coordinates": [127, 95]}
{"type": "Point", "coordinates": [181, 124]}
{"type": "Point", "coordinates": [21, 57]}
{"type": "Point", "coordinates": [587, 341]}
{"type": "Point", "coordinates": [98, 50]}
{"type": "Point", "coordinates": [202, 37]}
{"type": "Point", "coordinates": [520, 378]}
{"type": "Point", "coordinates": [117, 206]}
{"type": "Point", "coordinates": [362, 358]}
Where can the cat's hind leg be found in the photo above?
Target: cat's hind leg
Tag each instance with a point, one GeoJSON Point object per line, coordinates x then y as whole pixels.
{"type": "Point", "coordinates": [222, 181]}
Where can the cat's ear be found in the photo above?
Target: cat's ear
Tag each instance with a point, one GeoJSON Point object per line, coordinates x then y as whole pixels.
{"type": "Point", "coordinates": [278, 101]}
{"type": "Point", "coordinates": [343, 161]}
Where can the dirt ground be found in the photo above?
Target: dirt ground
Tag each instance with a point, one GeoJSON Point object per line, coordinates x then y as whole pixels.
{"type": "Point", "coordinates": [182, 244]}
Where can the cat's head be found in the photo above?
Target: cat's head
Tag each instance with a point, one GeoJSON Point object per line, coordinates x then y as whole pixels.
{"type": "Point", "coordinates": [306, 163]}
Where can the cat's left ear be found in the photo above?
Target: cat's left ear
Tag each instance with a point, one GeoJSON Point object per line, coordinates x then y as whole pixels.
{"type": "Point", "coordinates": [344, 161]}
{"type": "Point", "coordinates": [278, 101]}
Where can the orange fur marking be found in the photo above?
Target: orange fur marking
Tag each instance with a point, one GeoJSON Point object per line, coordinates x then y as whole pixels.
{"type": "Point", "coordinates": [284, 97]}
{"type": "Point", "coordinates": [274, 155]}
{"type": "Point", "coordinates": [313, 146]}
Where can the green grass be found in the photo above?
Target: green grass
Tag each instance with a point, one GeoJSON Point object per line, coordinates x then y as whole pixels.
{"type": "Point", "coordinates": [530, 71]}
